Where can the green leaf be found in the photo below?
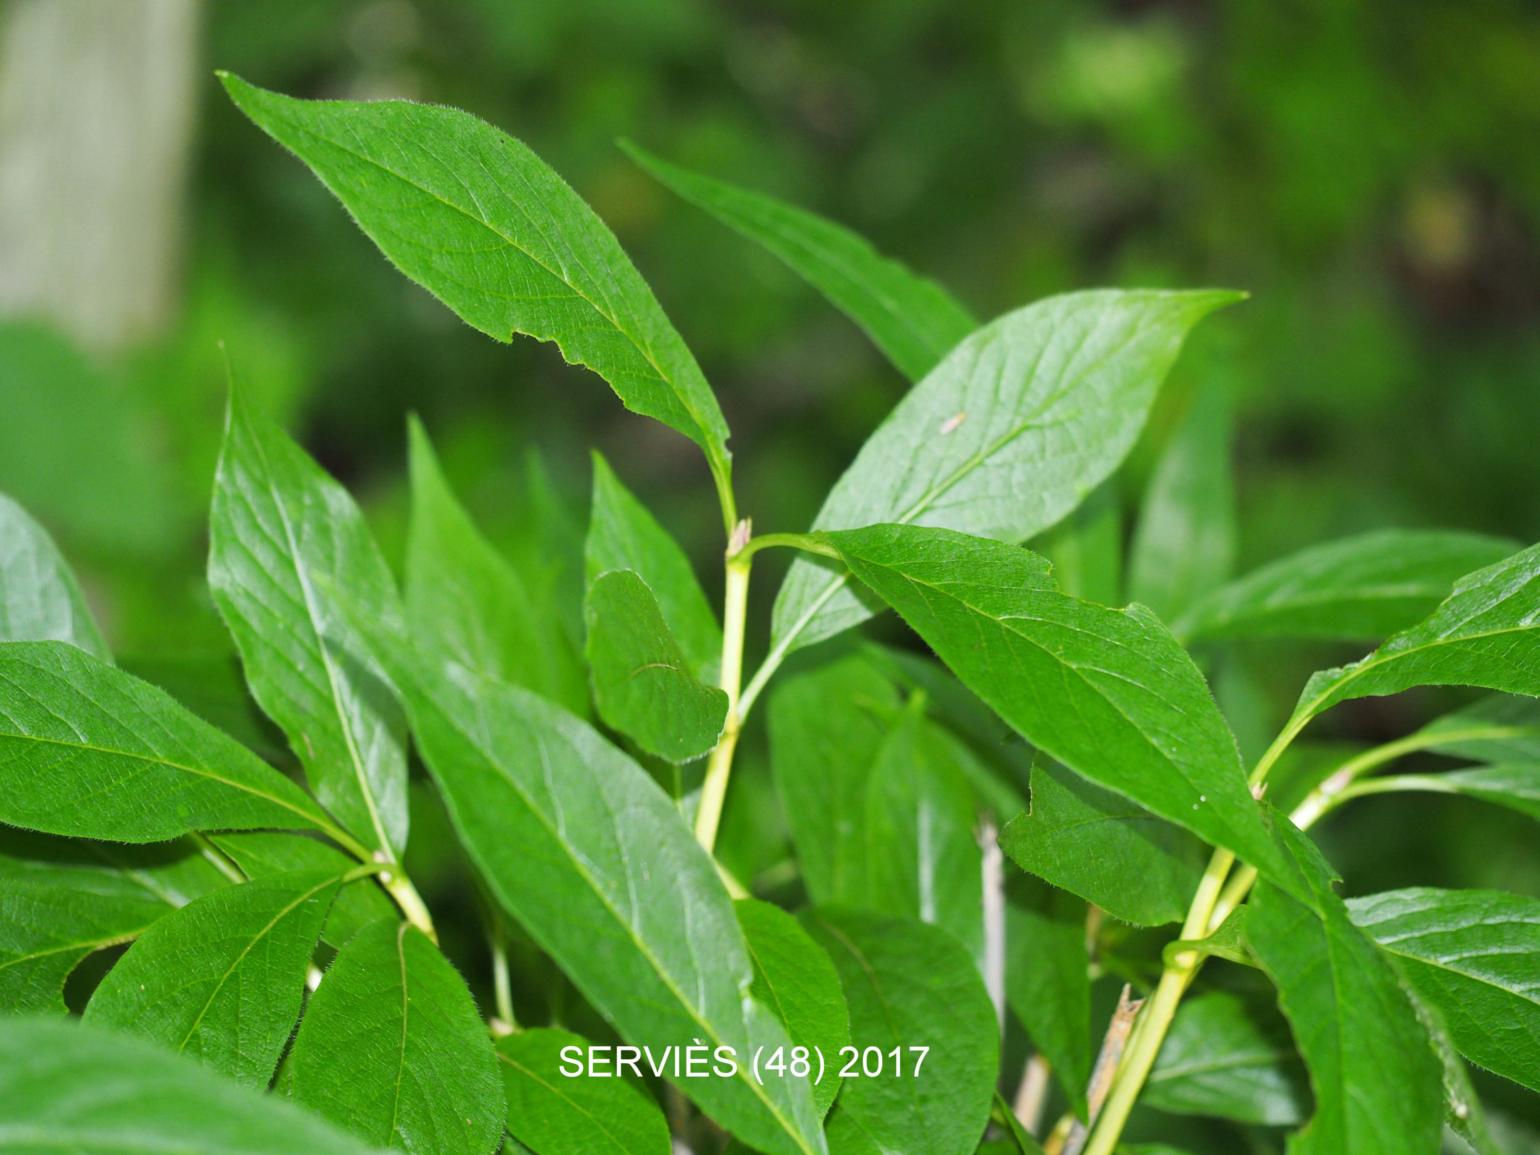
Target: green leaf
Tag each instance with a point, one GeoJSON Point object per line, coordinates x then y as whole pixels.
{"type": "Point", "coordinates": [1378, 1086]}
{"type": "Point", "coordinates": [622, 535]}
{"type": "Point", "coordinates": [262, 854]}
{"type": "Point", "coordinates": [46, 930]}
{"type": "Point", "coordinates": [1022, 1142]}
{"type": "Point", "coordinates": [1104, 848]}
{"type": "Point", "coordinates": [1475, 956]}
{"type": "Point", "coordinates": [1486, 633]}
{"type": "Point", "coordinates": [1086, 548]}
{"type": "Point", "coordinates": [826, 729]}
{"type": "Point", "coordinates": [1498, 728]}
{"type": "Point", "coordinates": [911, 319]}
{"type": "Point", "coordinates": [483, 224]}
{"type": "Point", "coordinates": [1047, 980]}
{"type": "Point", "coordinates": [1229, 1058]}
{"type": "Point", "coordinates": [1184, 544]}
{"type": "Point", "coordinates": [643, 685]}
{"type": "Point", "coordinates": [795, 979]}
{"type": "Point", "coordinates": [911, 985]}
{"type": "Point", "coordinates": [213, 687]}
{"type": "Point", "coordinates": [1464, 1112]}
{"type": "Point", "coordinates": [583, 848]}
{"type": "Point", "coordinates": [222, 978]}
{"type": "Point", "coordinates": [1107, 692]}
{"type": "Point", "coordinates": [40, 599]}
{"type": "Point", "coordinates": [66, 1087]}
{"type": "Point", "coordinates": [283, 536]}
{"type": "Point", "coordinates": [923, 858]}
{"type": "Point", "coordinates": [1515, 786]}
{"type": "Point", "coordinates": [135, 766]}
{"type": "Point", "coordinates": [555, 1113]}
{"type": "Point", "coordinates": [173, 873]}
{"type": "Point", "coordinates": [1357, 589]}
{"type": "Point", "coordinates": [1227, 941]}
{"type": "Point", "coordinates": [1004, 437]}
{"type": "Point", "coordinates": [465, 598]}
{"type": "Point", "coordinates": [392, 1050]}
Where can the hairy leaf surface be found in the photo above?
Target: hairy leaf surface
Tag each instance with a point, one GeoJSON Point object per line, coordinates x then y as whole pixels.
{"type": "Point", "coordinates": [483, 224]}
{"type": "Point", "coordinates": [223, 977]}
{"type": "Point", "coordinates": [1004, 437]}
{"type": "Point", "coordinates": [68, 1088]}
{"type": "Point", "coordinates": [173, 873]}
{"type": "Point", "coordinates": [283, 537]}
{"type": "Point", "coordinates": [40, 600]}
{"type": "Point", "coordinates": [1475, 956]}
{"type": "Point", "coordinates": [914, 321]}
{"type": "Point", "coordinates": [391, 1049]}
{"type": "Point", "coordinates": [1357, 589]}
{"type": "Point", "coordinates": [264, 853]}
{"type": "Point", "coordinates": [89, 751]}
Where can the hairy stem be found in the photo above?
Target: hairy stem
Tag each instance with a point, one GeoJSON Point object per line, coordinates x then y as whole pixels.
{"type": "Point", "coordinates": [719, 769]}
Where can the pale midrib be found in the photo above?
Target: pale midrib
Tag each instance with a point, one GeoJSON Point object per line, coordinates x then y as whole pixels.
{"type": "Point", "coordinates": [702, 427]}
{"type": "Point", "coordinates": [88, 945]}
{"type": "Point", "coordinates": [406, 1002]}
{"type": "Point", "coordinates": [312, 617]}
{"type": "Point", "coordinates": [642, 947]}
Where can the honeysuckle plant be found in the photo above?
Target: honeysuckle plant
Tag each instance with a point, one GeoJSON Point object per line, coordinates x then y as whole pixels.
{"type": "Point", "coordinates": [976, 836]}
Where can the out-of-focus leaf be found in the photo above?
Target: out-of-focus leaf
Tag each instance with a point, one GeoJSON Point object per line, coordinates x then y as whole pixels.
{"type": "Point", "coordinates": [1184, 544]}
{"type": "Point", "coordinates": [1086, 548]}
{"type": "Point", "coordinates": [1357, 589]}
{"type": "Point", "coordinates": [1378, 1086]}
{"type": "Point", "coordinates": [623, 534]}
{"type": "Point", "coordinates": [1107, 692]}
{"type": "Point", "coordinates": [488, 228]}
{"type": "Point", "coordinates": [1486, 633]}
{"type": "Point", "coordinates": [1104, 848]}
{"type": "Point", "coordinates": [45, 932]}
{"type": "Point", "coordinates": [911, 319]}
{"type": "Point", "coordinates": [263, 853]}
{"type": "Point", "coordinates": [40, 600]}
{"type": "Point", "coordinates": [1229, 1058]}
{"type": "Point", "coordinates": [283, 539]}
{"type": "Point", "coordinates": [1475, 956]}
{"type": "Point", "coordinates": [223, 977]}
{"type": "Point", "coordinates": [553, 1113]}
{"type": "Point", "coordinates": [1004, 437]}
{"type": "Point", "coordinates": [392, 1050]}
{"type": "Point", "coordinates": [67, 1087]}
{"type": "Point", "coordinates": [1464, 1113]}
{"type": "Point", "coordinates": [910, 985]}
{"type": "Point", "coordinates": [794, 978]}
{"type": "Point", "coordinates": [173, 873]}
{"type": "Point", "coordinates": [89, 751]}
{"type": "Point", "coordinates": [1498, 728]}
{"type": "Point", "coordinates": [1047, 980]}
{"type": "Point", "coordinates": [465, 598]}
{"type": "Point", "coordinates": [643, 684]}
{"type": "Point", "coordinates": [582, 847]}
{"type": "Point", "coordinates": [212, 687]}
{"type": "Point", "coordinates": [1515, 786]}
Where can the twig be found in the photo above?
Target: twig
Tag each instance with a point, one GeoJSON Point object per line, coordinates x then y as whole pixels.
{"type": "Point", "coordinates": [1113, 1043]}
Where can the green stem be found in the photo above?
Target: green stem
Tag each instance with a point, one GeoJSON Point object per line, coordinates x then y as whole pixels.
{"type": "Point", "coordinates": [735, 601]}
{"type": "Point", "coordinates": [405, 896]}
{"type": "Point", "coordinates": [502, 988]}
{"type": "Point", "coordinates": [219, 859]}
{"type": "Point", "coordinates": [806, 542]}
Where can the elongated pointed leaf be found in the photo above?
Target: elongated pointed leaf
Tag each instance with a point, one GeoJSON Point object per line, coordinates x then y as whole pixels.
{"type": "Point", "coordinates": [46, 930]}
{"type": "Point", "coordinates": [1086, 548]}
{"type": "Point", "coordinates": [1228, 1058]}
{"type": "Point", "coordinates": [40, 600]}
{"type": "Point", "coordinates": [483, 224]}
{"type": "Point", "coordinates": [912, 320]}
{"type": "Point", "coordinates": [222, 978]}
{"type": "Point", "coordinates": [1047, 980]}
{"type": "Point", "coordinates": [282, 537]}
{"type": "Point", "coordinates": [89, 751]}
{"type": "Point", "coordinates": [392, 1050]}
{"type": "Point", "coordinates": [1475, 956]}
{"type": "Point", "coordinates": [1378, 1086]}
{"type": "Point", "coordinates": [66, 1087]}
{"type": "Point", "coordinates": [467, 599]}
{"type": "Point", "coordinates": [263, 853]}
{"type": "Point", "coordinates": [552, 1112]}
{"type": "Point", "coordinates": [1497, 728]}
{"type": "Point", "coordinates": [1486, 633]}
{"type": "Point", "coordinates": [1004, 437]}
{"type": "Point", "coordinates": [1515, 786]}
{"type": "Point", "coordinates": [1106, 849]}
{"type": "Point", "coordinates": [1107, 692]}
{"type": "Point", "coordinates": [1357, 589]}
{"type": "Point", "coordinates": [794, 978]}
{"type": "Point", "coordinates": [173, 873]}
{"type": "Point", "coordinates": [1464, 1113]}
{"type": "Point", "coordinates": [623, 535]}
{"type": "Point", "coordinates": [1184, 544]}
{"type": "Point", "coordinates": [910, 985]}
{"type": "Point", "coordinates": [583, 848]}
{"type": "Point", "coordinates": [643, 685]}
